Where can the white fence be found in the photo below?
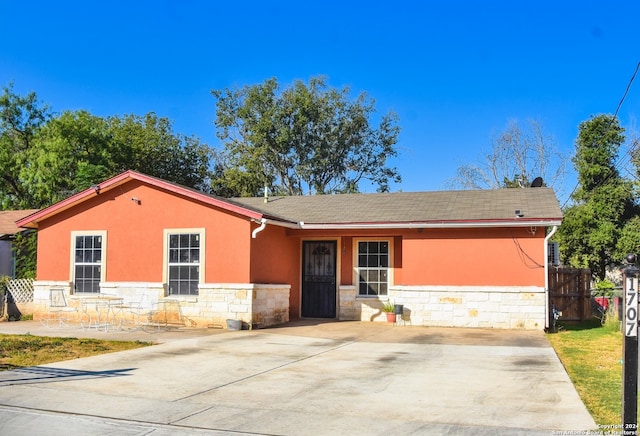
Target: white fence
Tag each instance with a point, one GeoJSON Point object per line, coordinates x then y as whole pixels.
{"type": "Point", "coordinates": [18, 293]}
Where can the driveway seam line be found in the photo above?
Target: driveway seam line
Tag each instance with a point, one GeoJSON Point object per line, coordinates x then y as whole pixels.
{"type": "Point", "coordinates": [266, 371]}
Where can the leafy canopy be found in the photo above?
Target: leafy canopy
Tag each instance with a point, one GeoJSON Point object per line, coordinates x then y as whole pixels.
{"type": "Point", "coordinates": [601, 225]}
{"type": "Point", "coordinates": [21, 118]}
{"type": "Point", "coordinates": [46, 158]}
{"type": "Point", "coordinates": [307, 138]}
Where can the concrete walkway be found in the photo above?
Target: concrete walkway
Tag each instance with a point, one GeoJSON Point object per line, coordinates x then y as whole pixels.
{"type": "Point", "coordinates": [347, 378]}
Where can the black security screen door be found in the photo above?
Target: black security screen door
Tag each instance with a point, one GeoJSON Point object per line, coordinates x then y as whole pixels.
{"type": "Point", "coordinates": [319, 279]}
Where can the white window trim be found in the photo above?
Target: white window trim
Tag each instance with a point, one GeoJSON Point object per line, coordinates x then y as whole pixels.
{"type": "Point", "coordinates": [356, 268]}
{"type": "Point", "coordinates": [72, 255]}
{"type": "Point", "coordinates": [165, 257]}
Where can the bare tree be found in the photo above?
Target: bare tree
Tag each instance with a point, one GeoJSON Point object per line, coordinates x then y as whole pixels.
{"type": "Point", "coordinates": [518, 155]}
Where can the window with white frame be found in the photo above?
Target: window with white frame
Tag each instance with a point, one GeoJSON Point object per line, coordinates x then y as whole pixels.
{"type": "Point", "coordinates": [88, 258]}
{"type": "Point", "coordinates": [184, 263]}
{"type": "Point", "coordinates": [373, 268]}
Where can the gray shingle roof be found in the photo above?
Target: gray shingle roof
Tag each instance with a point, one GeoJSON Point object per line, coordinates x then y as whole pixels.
{"type": "Point", "coordinates": [538, 206]}
{"type": "Point", "coordinates": [400, 207]}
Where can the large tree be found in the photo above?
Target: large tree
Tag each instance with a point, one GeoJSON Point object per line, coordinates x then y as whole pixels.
{"type": "Point", "coordinates": [44, 159]}
{"type": "Point", "coordinates": [149, 144]}
{"type": "Point", "coordinates": [596, 225]}
{"type": "Point", "coordinates": [71, 152]}
{"type": "Point", "coordinates": [21, 118]}
{"type": "Point", "coordinates": [518, 155]}
{"type": "Point", "coordinates": [307, 138]}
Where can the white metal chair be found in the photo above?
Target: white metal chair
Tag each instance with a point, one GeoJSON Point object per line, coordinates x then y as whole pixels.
{"type": "Point", "coordinates": [97, 313]}
{"type": "Point", "coordinates": [141, 312]}
{"type": "Point", "coordinates": [59, 309]}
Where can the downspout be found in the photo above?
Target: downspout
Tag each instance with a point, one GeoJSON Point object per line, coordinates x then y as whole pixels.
{"type": "Point", "coordinates": [263, 224]}
{"type": "Point", "coordinates": [546, 273]}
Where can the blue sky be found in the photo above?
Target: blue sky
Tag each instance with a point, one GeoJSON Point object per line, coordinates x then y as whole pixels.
{"type": "Point", "coordinates": [454, 71]}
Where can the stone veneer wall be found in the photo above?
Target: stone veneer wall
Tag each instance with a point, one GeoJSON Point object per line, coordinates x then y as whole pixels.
{"type": "Point", "coordinates": [348, 306]}
{"type": "Point", "coordinates": [454, 306]}
{"type": "Point", "coordinates": [260, 305]}
{"type": "Point", "coordinates": [271, 304]}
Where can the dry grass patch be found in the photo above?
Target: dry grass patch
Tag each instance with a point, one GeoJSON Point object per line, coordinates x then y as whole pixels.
{"type": "Point", "coordinates": [17, 351]}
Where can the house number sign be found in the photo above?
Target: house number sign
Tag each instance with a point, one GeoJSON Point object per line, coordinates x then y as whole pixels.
{"type": "Point", "coordinates": [631, 308]}
{"type": "Point", "coordinates": [630, 349]}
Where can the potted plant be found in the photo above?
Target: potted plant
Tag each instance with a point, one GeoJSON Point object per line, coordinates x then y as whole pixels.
{"type": "Point", "coordinates": [389, 309]}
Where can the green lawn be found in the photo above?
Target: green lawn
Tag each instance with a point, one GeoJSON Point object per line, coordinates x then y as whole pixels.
{"type": "Point", "coordinates": [592, 356]}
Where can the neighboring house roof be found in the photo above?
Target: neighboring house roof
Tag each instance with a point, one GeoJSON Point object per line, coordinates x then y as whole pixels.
{"type": "Point", "coordinates": [480, 208]}
{"type": "Point", "coordinates": [8, 220]}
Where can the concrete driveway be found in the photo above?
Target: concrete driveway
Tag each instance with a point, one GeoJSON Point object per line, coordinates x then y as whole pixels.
{"type": "Point", "coordinates": [348, 378]}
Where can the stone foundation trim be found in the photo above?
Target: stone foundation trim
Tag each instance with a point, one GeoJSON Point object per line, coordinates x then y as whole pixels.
{"type": "Point", "coordinates": [255, 304]}
{"type": "Point", "coordinates": [348, 309]}
{"type": "Point", "coordinates": [508, 307]}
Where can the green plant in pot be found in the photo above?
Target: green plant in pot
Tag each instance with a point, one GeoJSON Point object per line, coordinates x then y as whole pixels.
{"type": "Point", "coordinates": [389, 308]}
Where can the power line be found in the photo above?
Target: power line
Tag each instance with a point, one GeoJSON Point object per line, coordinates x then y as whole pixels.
{"type": "Point", "coordinates": [635, 73]}
{"type": "Point", "coordinates": [611, 120]}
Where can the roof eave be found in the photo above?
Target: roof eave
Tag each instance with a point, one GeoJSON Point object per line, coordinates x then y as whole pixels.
{"type": "Point", "coordinates": [280, 223]}
{"type": "Point", "coordinates": [434, 224]}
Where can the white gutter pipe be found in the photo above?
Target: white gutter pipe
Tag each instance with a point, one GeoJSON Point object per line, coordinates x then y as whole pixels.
{"type": "Point", "coordinates": [263, 224]}
{"type": "Point", "coordinates": [422, 225]}
{"type": "Point", "coordinates": [301, 225]}
{"type": "Point", "coordinates": [264, 221]}
{"type": "Point", "coordinates": [546, 273]}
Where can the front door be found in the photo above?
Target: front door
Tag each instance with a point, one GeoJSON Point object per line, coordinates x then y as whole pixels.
{"type": "Point", "coordinates": [319, 279]}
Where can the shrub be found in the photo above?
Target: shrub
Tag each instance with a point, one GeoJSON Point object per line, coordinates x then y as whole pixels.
{"type": "Point", "coordinates": [605, 288]}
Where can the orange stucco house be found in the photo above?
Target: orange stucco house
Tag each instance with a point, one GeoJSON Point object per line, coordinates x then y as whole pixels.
{"type": "Point", "coordinates": [451, 258]}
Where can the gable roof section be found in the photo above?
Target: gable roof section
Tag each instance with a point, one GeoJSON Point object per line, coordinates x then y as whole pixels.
{"type": "Point", "coordinates": [8, 220]}
{"type": "Point", "coordinates": [479, 208]}
{"type": "Point", "coordinates": [437, 209]}
{"type": "Point", "coordinates": [32, 220]}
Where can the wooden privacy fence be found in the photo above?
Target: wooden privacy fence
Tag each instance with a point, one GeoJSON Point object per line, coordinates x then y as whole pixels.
{"type": "Point", "coordinates": [570, 292]}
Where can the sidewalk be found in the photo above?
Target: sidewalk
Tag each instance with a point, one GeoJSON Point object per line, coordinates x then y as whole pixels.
{"type": "Point", "coordinates": [113, 334]}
